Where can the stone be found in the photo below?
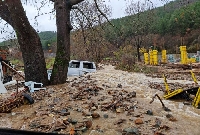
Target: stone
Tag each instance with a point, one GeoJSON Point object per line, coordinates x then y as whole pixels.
{"type": "Point", "coordinates": [72, 121]}
{"type": "Point", "coordinates": [93, 108]}
{"type": "Point", "coordinates": [149, 112]}
{"type": "Point", "coordinates": [138, 121]}
{"type": "Point", "coordinates": [171, 118]}
{"type": "Point", "coordinates": [64, 112]}
{"type": "Point", "coordinates": [105, 116]}
{"type": "Point", "coordinates": [120, 110]}
{"type": "Point", "coordinates": [132, 131]}
{"type": "Point", "coordinates": [88, 124]}
{"type": "Point", "coordinates": [13, 113]}
{"type": "Point", "coordinates": [51, 115]}
{"type": "Point", "coordinates": [119, 121]}
{"type": "Point", "coordinates": [119, 86]}
{"type": "Point", "coordinates": [95, 115]}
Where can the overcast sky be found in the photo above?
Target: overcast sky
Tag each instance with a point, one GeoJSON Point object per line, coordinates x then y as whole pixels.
{"type": "Point", "coordinates": [48, 22]}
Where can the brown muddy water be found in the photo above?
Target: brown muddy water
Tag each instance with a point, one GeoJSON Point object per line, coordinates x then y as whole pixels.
{"type": "Point", "coordinates": [106, 86]}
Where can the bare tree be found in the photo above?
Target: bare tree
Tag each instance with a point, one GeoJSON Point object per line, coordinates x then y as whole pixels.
{"type": "Point", "coordinates": [35, 70]}
{"type": "Point", "coordinates": [88, 21]}
{"type": "Point", "coordinates": [140, 21]}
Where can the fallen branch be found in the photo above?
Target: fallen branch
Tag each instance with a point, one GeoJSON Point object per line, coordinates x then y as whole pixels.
{"type": "Point", "coordinates": [164, 107]}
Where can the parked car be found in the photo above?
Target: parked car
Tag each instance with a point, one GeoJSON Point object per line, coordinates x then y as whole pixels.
{"type": "Point", "coordinates": [78, 68]}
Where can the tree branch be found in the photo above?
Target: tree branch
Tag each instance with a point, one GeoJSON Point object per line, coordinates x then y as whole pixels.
{"type": "Point", "coordinates": [75, 7]}
{"type": "Point", "coordinates": [74, 2]}
{"type": "Point", "coordinates": [95, 1]}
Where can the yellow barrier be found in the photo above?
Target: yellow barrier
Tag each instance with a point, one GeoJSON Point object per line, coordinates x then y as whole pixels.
{"type": "Point", "coordinates": [191, 60]}
{"type": "Point", "coordinates": [151, 57]}
{"type": "Point", "coordinates": [146, 58]}
{"type": "Point", "coordinates": [155, 57]}
{"type": "Point", "coordinates": [184, 57]}
{"type": "Point", "coordinates": [164, 56]}
{"type": "Point", "coordinates": [196, 101]}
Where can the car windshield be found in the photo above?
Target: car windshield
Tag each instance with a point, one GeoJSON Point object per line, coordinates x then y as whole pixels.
{"type": "Point", "coordinates": [74, 64]}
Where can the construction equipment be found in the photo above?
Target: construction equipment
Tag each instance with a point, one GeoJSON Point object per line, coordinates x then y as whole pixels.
{"type": "Point", "coordinates": [184, 94]}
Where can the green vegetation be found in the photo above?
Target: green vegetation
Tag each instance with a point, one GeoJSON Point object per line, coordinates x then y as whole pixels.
{"type": "Point", "coordinates": [49, 63]}
{"type": "Point", "coordinates": [47, 38]}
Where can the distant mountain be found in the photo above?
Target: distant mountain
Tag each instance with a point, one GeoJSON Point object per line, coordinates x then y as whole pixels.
{"type": "Point", "coordinates": [46, 37]}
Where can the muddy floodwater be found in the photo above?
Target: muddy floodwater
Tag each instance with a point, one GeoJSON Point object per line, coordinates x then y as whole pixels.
{"type": "Point", "coordinates": [108, 102]}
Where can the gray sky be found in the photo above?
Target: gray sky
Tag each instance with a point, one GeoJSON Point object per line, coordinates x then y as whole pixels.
{"type": "Point", "coordinates": [48, 22]}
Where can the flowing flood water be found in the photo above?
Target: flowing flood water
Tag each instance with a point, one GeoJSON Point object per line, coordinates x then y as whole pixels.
{"type": "Point", "coordinates": [123, 110]}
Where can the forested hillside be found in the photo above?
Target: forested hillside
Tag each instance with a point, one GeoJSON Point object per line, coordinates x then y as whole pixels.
{"type": "Point", "coordinates": [163, 24]}
{"type": "Point", "coordinates": [167, 27]}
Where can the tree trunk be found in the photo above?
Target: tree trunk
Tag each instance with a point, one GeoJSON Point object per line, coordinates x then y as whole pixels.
{"type": "Point", "coordinates": [138, 49]}
{"type": "Point", "coordinates": [60, 68]}
{"type": "Point", "coordinates": [29, 41]}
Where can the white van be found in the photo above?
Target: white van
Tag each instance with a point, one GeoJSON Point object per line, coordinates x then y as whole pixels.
{"type": "Point", "coordinates": [78, 68]}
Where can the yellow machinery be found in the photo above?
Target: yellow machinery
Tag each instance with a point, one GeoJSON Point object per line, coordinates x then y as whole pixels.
{"type": "Point", "coordinates": [164, 56]}
{"type": "Point", "coordinates": [155, 57]}
{"type": "Point", "coordinates": [146, 58]}
{"type": "Point", "coordinates": [183, 55]}
{"type": "Point", "coordinates": [170, 94]}
{"type": "Point", "coordinates": [151, 57]}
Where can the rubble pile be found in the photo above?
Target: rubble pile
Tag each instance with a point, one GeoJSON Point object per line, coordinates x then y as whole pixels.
{"type": "Point", "coordinates": [84, 103]}
{"type": "Point", "coordinates": [173, 86]}
{"type": "Point", "coordinates": [15, 98]}
{"type": "Point", "coordinates": [174, 75]}
{"type": "Point", "coordinates": [109, 102]}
